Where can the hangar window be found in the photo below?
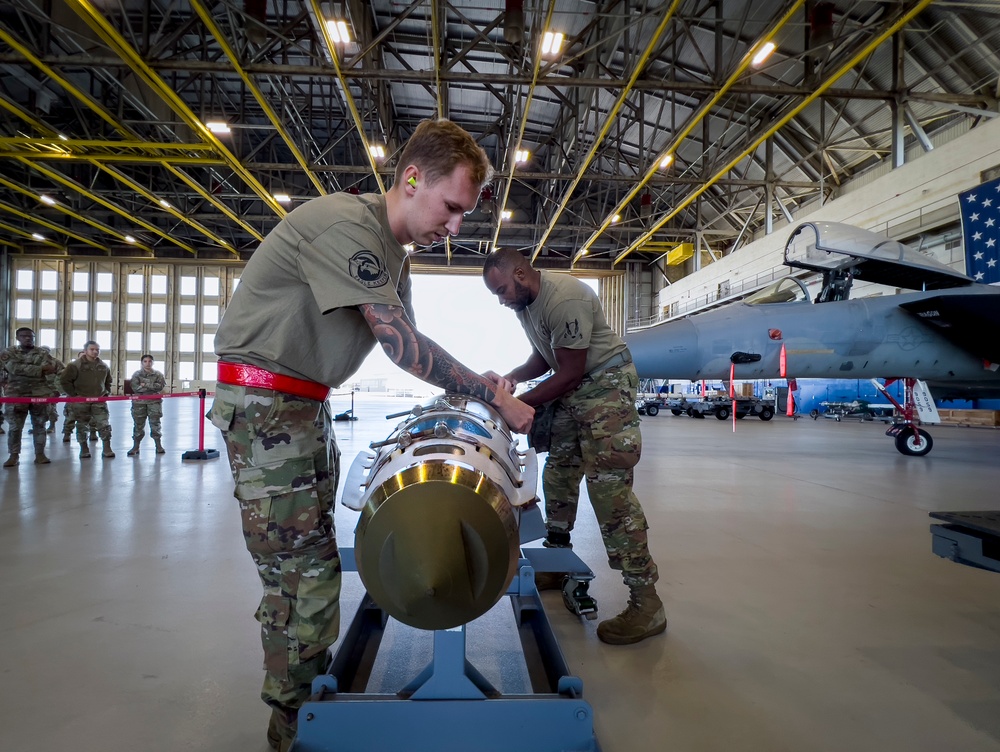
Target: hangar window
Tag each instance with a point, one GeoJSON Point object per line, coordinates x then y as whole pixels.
{"type": "Point", "coordinates": [80, 310]}
{"type": "Point", "coordinates": [50, 280]}
{"type": "Point", "coordinates": [102, 311]}
{"type": "Point", "coordinates": [81, 281]}
{"type": "Point", "coordinates": [47, 310]}
{"type": "Point", "coordinates": [23, 308]}
{"type": "Point", "coordinates": [158, 284]}
{"type": "Point", "coordinates": [135, 284]}
{"type": "Point", "coordinates": [25, 279]}
{"type": "Point", "coordinates": [47, 338]}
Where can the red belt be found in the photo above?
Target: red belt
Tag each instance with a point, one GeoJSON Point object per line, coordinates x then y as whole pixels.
{"type": "Point", "coordinates": [241, 374]}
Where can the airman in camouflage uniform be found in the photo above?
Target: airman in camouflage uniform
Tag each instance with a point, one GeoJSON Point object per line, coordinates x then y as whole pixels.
{"type": "Point", "coordinates": [27, 368]}
{"type": "Point", "coordinates": [147, 381]}
{"type": "Point", "coordinates": [89, 377]}
{"type": "Point", "coordinates": [330, 281]}
{"type": "Point", "coordinates": [594, 433]}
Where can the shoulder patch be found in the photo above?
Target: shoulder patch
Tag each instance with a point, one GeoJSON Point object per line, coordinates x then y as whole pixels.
{"type": "Point", "coordinates": [368, 269]}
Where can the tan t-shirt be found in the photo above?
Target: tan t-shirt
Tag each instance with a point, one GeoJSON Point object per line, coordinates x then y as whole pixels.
{"type": "Point", "coordinates": [568, 314]}
{"type": "Point", "coordinates": [295, 309]}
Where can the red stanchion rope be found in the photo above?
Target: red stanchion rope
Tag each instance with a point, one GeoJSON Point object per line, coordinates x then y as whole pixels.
{"type": "Point", "coordinates": [109, 398]}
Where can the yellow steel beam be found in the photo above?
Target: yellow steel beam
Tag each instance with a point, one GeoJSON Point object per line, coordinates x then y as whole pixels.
{"type": "Point", "coordinates": [206, 18]}
{"type": "Point", "coordinates": [695, 119]}
{"type": "Point", "coordinates": [345, 88]}
{"type": "Point", "coordinates": [512, 153]}
{"type": "Point", "coordinates": [66, 84]}
{"type": "Point", "coordinates": [23, 234]}
{"type": "Point", "coordinates": [171, 210]}
{"type": "Point", "coordinates": [70, 213]}
{"type": "Point", "coordinates": [73, 185]}
{"type": "Point", "coordinates": [820, 88]}
{"type": "Point", "coordinates": [55, 228]}
{"type": "Point", "coordinates": [608, 122]}
{"type": "Point", "coordinates": [79, 146]}
{"type": "Point", "coordinates": [200, 190]}
{"type": "Point", "coordinates": [96, 20]}
{"type": "Point", "coordinates": [119, 158]}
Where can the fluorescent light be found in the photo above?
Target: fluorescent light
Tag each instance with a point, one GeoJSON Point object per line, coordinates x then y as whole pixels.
{"type": "Point", "coordinates": [521, 156]}
{"type": "Point", "coordinates": [129, 239]}
{"type": "Point", "coordinates": [763, 54]}
{"type": "Point", "coordinates": [219, 127]}
{"type": "Point", "coordinates": [666, 161]}
{"type": "Point", "coordinates": [339, 33]}
{"type": "Point", "coordinates": [552, 43]}
{"type": "Point", "coordinates": [616, 219]}
{"type": "Point", "coordinates": [583, 252]}
{"type": "Point", "coordinates": [164, 203]}
{"type": "Point", "coordinates": [282, 198]}
{"type": "Point", "coordinates": [36, 236]}
{"type": "Point", "coordinates": [47, 200]}
{"type": "Point", "coordinates": [63, 137]}
{"type": "Point", "coordinates": [377, 151]}
{"type": "Point", "coordinates": [506, 214]}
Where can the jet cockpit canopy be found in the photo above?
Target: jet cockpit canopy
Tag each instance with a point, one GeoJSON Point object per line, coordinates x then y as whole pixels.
{"type": "Point", "coordinates": [834, 247]}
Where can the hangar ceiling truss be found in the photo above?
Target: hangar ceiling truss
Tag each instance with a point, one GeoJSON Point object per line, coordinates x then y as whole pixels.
{"type": "Point", "coordinates": [651, 126]}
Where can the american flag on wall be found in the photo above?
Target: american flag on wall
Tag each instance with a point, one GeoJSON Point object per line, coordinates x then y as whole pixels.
{"type": "Point", "coordinates": [981, 231]}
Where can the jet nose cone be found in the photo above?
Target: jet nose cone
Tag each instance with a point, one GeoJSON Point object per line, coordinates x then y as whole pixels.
{"type": "Point", "coordinates": [665, 351]}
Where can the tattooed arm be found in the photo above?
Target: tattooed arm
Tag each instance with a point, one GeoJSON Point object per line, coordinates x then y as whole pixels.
{"type": "Point", "coordinates": [428, 361]}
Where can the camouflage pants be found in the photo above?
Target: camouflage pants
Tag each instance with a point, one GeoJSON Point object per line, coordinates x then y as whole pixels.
{"type": "Point", "coordinates": [91, 416]}
{"type": "Point", "coordinates": [69, 422]}
{"type": "Point", "coordinates": [286, 465]}
{"type": "Point", "coordinates": [595, 435]}
{"type": "Point", "coordinates": [141, 409]}
{"type": "Point", "coordinates": [16, 415]}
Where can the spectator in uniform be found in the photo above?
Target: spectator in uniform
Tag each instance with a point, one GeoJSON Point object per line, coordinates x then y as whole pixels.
{"type": "Point", "coordinates": [69, 422]}
{"type": "Point", "coordinates": [27, 369]}
{"type": "Point", "coordinates": [329, 282]}
{"type": "Point", "coordinates": [594, 431]}
{"type": "Point", "coordinates": [146, 381]}
{"type": "Point", "coordinates": [89, 376]}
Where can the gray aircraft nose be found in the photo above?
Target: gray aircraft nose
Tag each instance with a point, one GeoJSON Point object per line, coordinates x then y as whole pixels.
{"type": "Point", "coordinates": [665, 351]}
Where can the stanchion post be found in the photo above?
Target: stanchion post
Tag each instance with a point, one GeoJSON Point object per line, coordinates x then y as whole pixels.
{"type": "Point", "coordinates": [201, 453]}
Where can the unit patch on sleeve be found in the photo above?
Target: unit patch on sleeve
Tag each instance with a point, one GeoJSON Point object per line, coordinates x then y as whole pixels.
{"type": "Point", "coordinates": [573, 329]}
{"type": "Point", "coordinates": [368, 269]}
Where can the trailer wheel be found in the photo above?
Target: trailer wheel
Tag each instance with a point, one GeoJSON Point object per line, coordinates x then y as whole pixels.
{"type": "Point", "coordinates": [696, 413]}
{"type": "Point", "coordinates": [722, 413]}
{"type": "Point", "coordinates": [766, 413]}
{"type": "Point", "coordinates": [675, 411]}
{"type": "Point", "coordinates": [652, 410]}
{"type": "Point", "coordinates": [906, 442]}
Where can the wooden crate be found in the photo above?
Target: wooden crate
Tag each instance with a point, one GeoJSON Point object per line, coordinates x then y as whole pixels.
{"type": "Point", "coordinates": [979, 418]}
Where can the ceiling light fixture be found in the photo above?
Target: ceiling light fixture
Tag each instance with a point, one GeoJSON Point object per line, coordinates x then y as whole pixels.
{"type": "Point", "coordinates": [552, 43]}
{"type": "Point", "coordinates": [47, 200]}
{"type": "Point", "coordinates": [129, 239]}
{"type": "Point", "coordinates": [521, 156]}
{"type": "Point", "coordinates": [164, 203]}
{"type": "Point", "coordinates": [666, 161]}
{"type": "Point", "coordinates": [37, 236]}
{"type": "Point", "coordinates": [339, 33]}
{"type": "Point", "coordinates": [616, 219]}
{"type": "Point", "coordinates": [377, 151]}
{"type": "Point", "coordinates": [218, 127]}
{"type": "Point", "coordinates": [506, 214]}
{"type": "Point", "coordinates": [763, 54]}
{"type": "Point", "coordinates": [282, 198]}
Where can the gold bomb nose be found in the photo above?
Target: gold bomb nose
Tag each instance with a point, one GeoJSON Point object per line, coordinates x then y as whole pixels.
{"type": "Point", "coordinates": [437, 545]}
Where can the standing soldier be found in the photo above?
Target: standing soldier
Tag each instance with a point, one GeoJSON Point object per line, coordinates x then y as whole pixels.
{"type": "Point", "coordinates": [27, 369]}
{"type": "Point", "coordinates": [146, 381]}
{"type": "Point", "coordinates": [595, 427]}
{"type": "Point", "coordinates": [89, 377]}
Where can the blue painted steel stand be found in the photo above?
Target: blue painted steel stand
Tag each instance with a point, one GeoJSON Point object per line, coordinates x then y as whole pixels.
{"type": "Point", "coordinates": [449, 706]}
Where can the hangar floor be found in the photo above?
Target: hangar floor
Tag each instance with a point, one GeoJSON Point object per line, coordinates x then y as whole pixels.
{"type": "Point", "coordinates": [806, 609]}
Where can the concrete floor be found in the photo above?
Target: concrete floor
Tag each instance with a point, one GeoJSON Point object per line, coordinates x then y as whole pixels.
{"type": "Point", "coordinates": [806, 609]}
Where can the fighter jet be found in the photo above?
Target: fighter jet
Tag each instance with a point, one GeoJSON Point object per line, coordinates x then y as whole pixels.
{"type": "Point", "coordinates": [946, 334]}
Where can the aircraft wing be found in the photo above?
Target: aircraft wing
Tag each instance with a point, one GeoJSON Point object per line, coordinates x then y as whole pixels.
{"type": "Point", "coordinates": [970, 321]}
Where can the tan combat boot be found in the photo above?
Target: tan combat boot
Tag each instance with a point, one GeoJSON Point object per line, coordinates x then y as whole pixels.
{"type": "Point", "coordinates": [134, 450]}
{"type": "Point", "coordinates": [41, 459]}
{"type": "Point", "coordinates": [107, 452]}
{"type": "Point", "coordinates": [642, 618]}
{"type": "Point", "coordinates": [66, 437]}
{"type": "Point", "coordinates": [12, 460]}
{"type": "Point", "coordinates": [159, 446]}
{"type": "Point", "coordinates": [84, 450]}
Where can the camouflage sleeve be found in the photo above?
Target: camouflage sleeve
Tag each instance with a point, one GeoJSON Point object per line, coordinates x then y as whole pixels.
{"type": "Point", "coordinates": [17, 368]}
{"type": "Point", "coordinates": [107, 383]}
{"type": "Point", "coordinates": [159, 382]}
{"type": "Point", "coordinates": [67, 380]}
{"type": "Point", "coordinates": [137, 383]}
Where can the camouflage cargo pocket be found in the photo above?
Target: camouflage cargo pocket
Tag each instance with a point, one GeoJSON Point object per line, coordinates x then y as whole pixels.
{"type": "Point", "coordinates": [616, 443]}
{"type": "Point", "coordinates": [223, 408]}
{"type": "Point", "coordinates": [280, 506]}
{"type": "Point", "coordinates": [274, 614]}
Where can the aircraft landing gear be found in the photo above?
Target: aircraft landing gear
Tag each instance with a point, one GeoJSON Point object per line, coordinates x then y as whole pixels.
{"type": "Point", "coordinates": [910, 439]}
